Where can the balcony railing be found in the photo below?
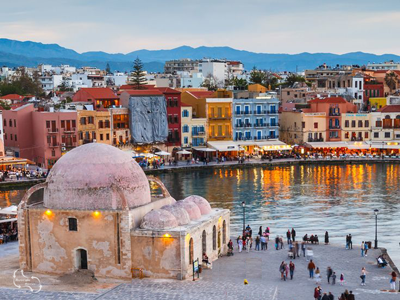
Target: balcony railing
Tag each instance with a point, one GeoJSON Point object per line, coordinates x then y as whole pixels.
{"type": "Point", "coordinates": [248, 125]}
{"type": "Point", "coordinates": [334, 127]}
{"type": "Point", "coordinates": [52, 130]}
{"type": "Point", "coordinates": [227, 117]}
{"type": "Point", "coordinates": [198, 133]}
{"type": "Point", "coordinates": [354, 139]}
{"type": "Point", "coordinates": [272, 124]}
{"type": "Point", "coordinates": [69, 130]}
{"type": "Point", "coordinates": [54, 145]}
{"type": "Point", "coordinates": [261, 112]}
{"type": "Point", "coordinates": [259, 125]}
{"type": "Point", "coordinates": [315, 140]}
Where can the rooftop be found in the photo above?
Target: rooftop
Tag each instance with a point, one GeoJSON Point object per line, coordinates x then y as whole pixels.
{"type": "Point", "coordinates": [100, 93]}
{"type": "Point", "coordinates": [390, 108]}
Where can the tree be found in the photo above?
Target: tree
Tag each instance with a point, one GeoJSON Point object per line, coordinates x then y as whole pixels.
{"type": "Point", "coordinates": [138, 76]}
{"type": "Point", "coordinates": [110, 81]}
{"type": "Point", "coordinates": [240, 83]}
{"type": "Point", "coordinates": [108, 69]}
{"type": "Point", "coordinates": [391, 80]}
{"type": "Point", "coordinates": [257, 76]}
{"type": "Point", "coordinates": [64, 86]}
{"type": "Point", "coordinates": [210, 82]}
{"type": "Point", "coordinates": [270, 81]}
{"type": "Point", "coordinates": [21, 83]}
{"type": "Point", "coordinates": [292, 79]}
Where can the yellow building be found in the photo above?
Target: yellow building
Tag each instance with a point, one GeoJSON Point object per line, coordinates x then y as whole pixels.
{"type": "Point", "coordinates": [94, 126]}
{"type": "Point", "coordinates": [193, 129]}
{"type": "Point", "coordinates": [377, 103]}
{"type": "Point", "coordinates": [219, 119]}
{"type": "Point", "coordinates": [356, 127]}
{"type": "Point", "coordinates": [257, 88]}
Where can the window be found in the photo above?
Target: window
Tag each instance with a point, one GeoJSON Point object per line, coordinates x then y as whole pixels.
{"type": "Point", "coordinates": [316, 125]}
{"type": "Point", "coordinates": [15, 123]}
{"type": "Point", "coordinates": [10, 123]}
{"type": "Point", "coordinates": [185, 113]}
{"type": "Point", "coordinates": [191, 251]}
{"type": "Point", "coordinates": [90, 120]}
{"type": "Point", "coordinates": [15, 137]}
{"type": "Point", "coordinates": [214, 238]}
{"type": "Point", "coordinates": [185, 140]}
{"type": "Point", "coordinates": [101, 136]}
{"type": "Point", "coordinates": [5, 123]}
{"type": "Point", "coordinates": [53, 153]}
{"type": "Point", "coordinates": [366, 123]}
{"type": "Point", "coordinates": [376, 135]}
{"type": "Point", "coordinates": [11, 137]}
{"type": "Point", "coordinates": [185, 128]}
{"type": "Point", "coordinates": [303, 125]}
{"type": "Point", "coordinates": [176, 119]}
{"type": "Point", "coordinates": [101, 125]}
{"type": "Point", "coordinates": [108, 136]}
{"type": "Point", "coordinates": [366, 135]}
{"type": "Point", "coordinates": [360, 123]}
{"type": "Point", "coordinates": [346, 123]}
{"type": "Point", "coordinates": [81, 135]}
{"type": "Point", "coordinates": [73, 224]}
{"type": "Point", "coordinates": [83, 121]}
{"type": "Point", "coordinates": [107, 123]}
{"type": "Point", "coordinates": [353, 123]}
{"type": "Point", "coordinates": [387, 134]}
{"type": "Point", "coordinates": [73, 123]}
{"type": "Point", "coordinates": [346, 135]}
{"type": "Point", "coordinates": [204, 241]}
{"type": "Point", "coordinates": [62, 124]}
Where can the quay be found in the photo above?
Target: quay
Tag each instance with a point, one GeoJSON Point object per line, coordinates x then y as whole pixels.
{"type": "Point", "coordinates": [224, 280]}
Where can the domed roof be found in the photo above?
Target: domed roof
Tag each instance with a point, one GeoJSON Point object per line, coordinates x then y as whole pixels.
{"type": "Point", "coordinates": [179, 213]}
{"type": "Point", "coordinates": [96, 176]}
{"type": "Point", "coordinates": [192, 209]}
{"type": "Point", "coordinates": [158, 219]}
{"type": "Point", "coordinates": [204, 206]}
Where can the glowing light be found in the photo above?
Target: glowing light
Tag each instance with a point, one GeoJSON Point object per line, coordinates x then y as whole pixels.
{"type": "Point", "coordinates": [96, 213]}
{"type": "Point", "coordinates": [167, 235]}
{"type": "Point", "coordinates": [48, 212]}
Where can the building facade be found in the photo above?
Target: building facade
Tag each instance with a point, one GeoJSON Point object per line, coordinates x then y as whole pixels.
{"type": "Point", "coordinates": [356, 127]}
{"type": "Point", "coordinates": [120, 126]}
{"type": "Point", "coordinates": [193, 129]}
{"type": "Point", "coordinates": [94, 127]}
{"type": "Point", "coordinates": [219, 119]}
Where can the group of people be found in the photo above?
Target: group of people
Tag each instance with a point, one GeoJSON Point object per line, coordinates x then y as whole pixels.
{"type": "Point", "coordinates": [8, 235]}
{"type": "Point", "coordinates": [286, 269]}
{"type": "Point", "coordinates": [319, 295]}
{"type": "Point", "coordinates": [20, 173]}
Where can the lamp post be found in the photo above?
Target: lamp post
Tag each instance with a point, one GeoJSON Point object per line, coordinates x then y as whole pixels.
{"type": "Point", "coordinates": [376, 228]}
{"type": "Point", "coordinates": [244, 216]}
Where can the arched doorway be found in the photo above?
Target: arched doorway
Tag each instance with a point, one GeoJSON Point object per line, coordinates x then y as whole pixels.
{"type": "Point", "coordinates": [191, 251]}
{"type": "Point", "coordinates": [204, 242]}
{"type": "Point", "coordinates": [81, 259]}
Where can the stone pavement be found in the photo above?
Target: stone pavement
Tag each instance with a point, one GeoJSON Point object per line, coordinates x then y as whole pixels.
{"type": "Point", "coordinates": [225, 280]}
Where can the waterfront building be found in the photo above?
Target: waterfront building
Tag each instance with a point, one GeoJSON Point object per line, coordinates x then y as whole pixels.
{"type": "Point", "coordinates": [99, 213]}
{"type": "Point", "coordinates": [40, 136]}
{"type": "Point", "coordinates": [99, 97]}
{"type": "Point", "coordinates": [255, 119]}
{"type": "Point", "coordinates": [385, 124]}
{"type": "Point", "coordinates": [193, 129]}
{"type": "Point", "coordinates": [356, 127]}
{"type": "Point", "coordinates": [298, 91]}
{"type": "Point", "coordinates": [219, 119]}
{"type": "Point", "coordinates": [120, 125]}
{"type": "Point", "coordinates": [94, 126]}
{"type": "Point", "coordinates": [197, 99]}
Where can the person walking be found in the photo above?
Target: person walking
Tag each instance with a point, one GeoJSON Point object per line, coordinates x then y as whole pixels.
{"type": "Point", "coordinates": [365, 249]}
{"type": "Point", "coordinates": [282, 270]}
{"type": "Point", "coordinates": [288, 234]}
{"type": "Point", "coordinates": [311, 268]}
{"type": "Point", "coordinates": [248, 244]}
{"type": "Point", "coordinates": [303, 248]}
{"type": "Point", "coordinates": [240, 244]}
{"type": "Point", "coordinates": [326, 238]}
{"type": "Point", "coordinates": [330, 296]}
{"type": "Point", "coordinates": [281, 242]}
{"type": "Point", "coordinates": [363, 276]}
{"type": "Point", "coordinates": [317, 293]}
{"type": "Point", "coordinates": [277, 242]}
{"type": "Point", "coordinates": [257, 243]}
{"type": "Point", "coordinates": [325, 297]}
{"type": "Point", "coordinates": [351, 295]}
{"type": "Point", "coordinates": [291, 269]}
{"type": "Point", "coordinates": [329, 273]}
{"type": "Point", "coordinates": [260, 231]}
{"type": "Point", "coordinates": [287, 270]}
{"type": "Point", "coordinates": [341, 279]}
{"type": "Point", "coordinates": [362, 249]}
{"type": "Point", "coordinates": [350, 242]}
{"type": "Point", "coordinates": [317, 276]}
{"type": "Point", "coordinates": [293, 235]}
{"type": "Point", "coordinates": [393, 281]}
{"type": "Point", "coordinates": [334, 278]}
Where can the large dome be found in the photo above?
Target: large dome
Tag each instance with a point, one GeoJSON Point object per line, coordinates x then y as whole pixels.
{"type": "Point", "coordinates": [96, 176]}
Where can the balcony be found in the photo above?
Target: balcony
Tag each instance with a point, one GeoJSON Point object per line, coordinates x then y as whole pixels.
{"type": "Point", "coordinates": [261, 112]}
{"type": "Point", "coordinates": [248, 125]}
{"type": "Point", "coordinates": [333, 114]}
{"type": "Point", "coordinates": [356, 139]}
{"type": "Point", "coordinates": [334, 127]}
{"type": "Point", "coordinates": [69, 130]}
{"type": "Point", "coordinates": [259, 125]}
{"type": "Point", "coordinates": [54, 145]}
{"type": "Point", "coordinates": [272, 124]}
{"type": "Point", "coordinates": [198, 133]}
{"type": "Point", "coordinates": [228, 117]}
{"type": "Point", "coordinates": [315, 140]}
{"type": "Point", "coordinates": [52, 130]}
{"type": "Point", "coordinates": [272, 112]}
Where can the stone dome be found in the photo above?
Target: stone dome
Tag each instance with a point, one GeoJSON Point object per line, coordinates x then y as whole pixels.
{"type": "Point", "coordinates": [158, 219]}
{"type": "Point", "coordinates": [204, 206]}
{"type": "Point", "coordinates": [179, 213]}
{"type": "Point", "coordinates": [96, 176]}
{"type": "Point", "coordinates": [192, 209]}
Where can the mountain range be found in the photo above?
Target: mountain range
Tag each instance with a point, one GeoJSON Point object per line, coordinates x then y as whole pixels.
{"type": "Point", "coordinates": [15, 53]}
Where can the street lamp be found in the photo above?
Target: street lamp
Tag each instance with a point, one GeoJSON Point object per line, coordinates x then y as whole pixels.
{"type": "Point", "coordinates": [244, 216]}
{"type": "Point", "coordinates": [376, 228]}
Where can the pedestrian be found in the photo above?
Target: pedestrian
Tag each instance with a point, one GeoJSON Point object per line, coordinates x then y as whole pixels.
{"type": "Point", "coordinates": [237, 241]}
{"type": "Point", "coordinates": [311, 268]}
{"type": "Point", "coordinates": [347, 241]}
{"type": "Point", "coordinates": [282, 270]}
{"type": "Point", "coordinates": [293, 235]}
{"type": "Point", "coordinates": [334, 278]}
{"type": "Point", "coordinates": [277, 242]}
{"type": "Point", "coordinates": [287, 270]}
{"type": "Point", "coordinates": [257, 243]}
{"type": "Point", "coordinates": [341, 279]}
{"type": "Point", "coordinates": [288, 234]}
{"type": "Point", "coordinates": [317, 293]}
{"type": "Point", "coordinates": [366, 248]}
{"type": "Point", "coordinates": [303, 248]}
{"type": "Point", "coordinates": [330, 296]}
{"type": "Point", "coordinates": [329, 273]}
{"type": "Point", "coordinates": [281, 242]}
{"type": "Point", "coordinates": [363, 276]}
{"type": "Point", "coordinates": [325, 297]}
{"type": "Point", "coordinates": [362, 249]}
{"type": "Point", "coordinates": [240, 244]}
{"type": "Point", "coordinates": [350, 241]}
{"type": "Point", "coordinates": [291, 269]}
{"type": "Point", "coordinates": [326, 238]}
{"type": "Point", "coordinates": [260, 231]}
{"type": "Point", "coordinates": [393, 281]}
{"type": "Point", "coordinates": [317, 276]}
{"type": "Point", "coordinates": [248, 245]}
{"type": "Point", "coordinates": [297, 249]}
{"type": "Point", "coordinates": [351, 295]}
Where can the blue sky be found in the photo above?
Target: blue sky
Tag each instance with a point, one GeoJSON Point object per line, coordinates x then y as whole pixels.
{"type": "Point", "coordinates": [272, 26]}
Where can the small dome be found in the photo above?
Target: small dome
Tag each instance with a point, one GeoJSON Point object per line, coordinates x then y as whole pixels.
{"type": "Point", "coordinates": [158, 219]}
{"type": "Point", "coordinates": [179, 213]}
{"type": "Point", "coordinates": [192, 209]}
{"type": "Point", "coordinates": [96, 176]}
{"type": "Point", "coordinates": [205, 207]}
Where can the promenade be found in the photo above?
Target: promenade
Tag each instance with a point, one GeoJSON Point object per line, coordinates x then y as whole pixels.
{"type": "Point", "coordinates": [225, 280]}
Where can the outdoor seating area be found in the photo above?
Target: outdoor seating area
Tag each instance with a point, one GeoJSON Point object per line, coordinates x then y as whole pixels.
{"type": "Point", "coordinates": [8, 224]}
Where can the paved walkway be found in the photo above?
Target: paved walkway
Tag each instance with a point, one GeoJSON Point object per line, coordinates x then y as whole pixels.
{"type": "Point", "coordinates": [225, 280]}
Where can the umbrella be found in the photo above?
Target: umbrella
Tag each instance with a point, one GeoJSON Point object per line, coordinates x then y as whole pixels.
{"type": "Point", "coordinates": [162, 153]}
{"type": "Point", "coordinates": [184, 152]}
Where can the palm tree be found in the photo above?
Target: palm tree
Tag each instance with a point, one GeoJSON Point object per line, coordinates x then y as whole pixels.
{"type": "Point", "coordinates": [391, 80]}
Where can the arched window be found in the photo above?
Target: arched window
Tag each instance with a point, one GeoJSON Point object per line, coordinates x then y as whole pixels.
{"type": "Point", "coordinates": [204, 241]}
{"type": "Point", "coordinates": [387, 117]}
{"type": "Point", "coordinates": [224, 232]}
{"type": "Point", "coordinates": [398, 117]}
{"type": "Point", "coordinates": [214, 238]}
{"type": "Point", "coordinates": [191, 251]}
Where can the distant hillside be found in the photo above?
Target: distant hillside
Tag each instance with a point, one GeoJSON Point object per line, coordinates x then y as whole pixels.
{"type": "Point", "coordinates": [16, 53]}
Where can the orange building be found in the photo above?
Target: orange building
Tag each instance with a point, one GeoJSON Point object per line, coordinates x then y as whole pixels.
{"type": "Point", "coordinates": [99, 97]}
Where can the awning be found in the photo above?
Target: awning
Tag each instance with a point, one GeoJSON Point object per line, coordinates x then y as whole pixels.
{"type": "Point", "coordinates": [224, 146]}
{"type": "Point", "coordinates": [8, 220]}
{"type": "Point", "coordinates": [204, 149]}
{"type": "Point", "coordinates": [162, 153]}
{"type": "Point", "coordinates": [273, 145]}
{"type": "Point", "coordinates": [385, 145]}
{"type": "Point", "coordinates": [326, 145]}
{"type": "Point", "coordinates": [183, 152]}
{"type": "Point", "coordinates": [357, 146]}
{"type": "Point", "coordinates": [10, 210]}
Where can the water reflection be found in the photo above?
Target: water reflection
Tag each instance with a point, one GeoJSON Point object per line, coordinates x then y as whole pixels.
{"type": "Point", "coordinates": [340, 199]}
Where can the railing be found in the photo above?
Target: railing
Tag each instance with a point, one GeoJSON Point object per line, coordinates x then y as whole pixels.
{"type": "Point", "coordinates": [54, 145]}
{"type": "Point", "coordinates": [52, 130]}
{"type": "Point", "coordinates": [198, 133]}
{"type": "Point", "coordinates": [243, 125]}
{"type": "Point", "coordinates": [272, 124]}
{"type": "Point", "coordinates": [220, 117]}
{"type": "Point", "coordinates": [315, 140]}
{"type": "Point", "coordinates": [69, 130]}
{"type": "Point", "coordinates": [331, 114]}
{"type": "Point", "coordinates": [354, 139]}
{"type": "Point", "coordinates": [259, 125]}
{"type": "Point", "coordinates": [261, 112]}
{"type": "Point", "coordinates": [334, 127]}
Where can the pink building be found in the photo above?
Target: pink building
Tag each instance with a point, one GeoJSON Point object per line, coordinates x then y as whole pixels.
{"type": "Point", "coordinates": [42, 137]}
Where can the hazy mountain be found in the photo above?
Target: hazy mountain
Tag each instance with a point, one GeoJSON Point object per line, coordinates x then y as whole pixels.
{"type": "Point", "coordinates": [16, 53]}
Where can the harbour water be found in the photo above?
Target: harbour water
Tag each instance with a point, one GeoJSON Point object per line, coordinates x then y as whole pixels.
{"type": "Point", "coordinates": [311, 198]}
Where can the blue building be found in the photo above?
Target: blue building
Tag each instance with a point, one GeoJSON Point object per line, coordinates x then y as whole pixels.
{"type": "Point", "coordinates": [255, 119]}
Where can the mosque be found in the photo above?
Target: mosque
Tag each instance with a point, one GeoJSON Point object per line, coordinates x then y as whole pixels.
{"type": "Point", "coordinates": [100, 212]}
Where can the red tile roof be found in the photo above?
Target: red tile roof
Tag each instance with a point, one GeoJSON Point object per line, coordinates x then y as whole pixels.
{"type": "Point", "coordinates": [133, 87]}
{"type": "Point", "coordinates": [390, 108]}
{"type": "Point", "coordinates": [328, 100]}
{"type": "Point", "coordinates": [202, 94]}
{"type": "Point", "coordinates": [100, 93]}
{"type": "Point", "coordinates": [143, 92]}
{"type": "Point", "coordinates": [12, 97]}
{"type": "Point", "coordinates": [167, 90]}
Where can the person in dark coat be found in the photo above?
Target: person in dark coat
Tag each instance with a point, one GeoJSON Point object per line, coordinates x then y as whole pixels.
{"type": "Point", "coordinates": [325, 297]}
{"type": "Point", "coordinates": [326, 238]}
{"type": "Point", "coordinates": [330, 296]}
{"type": "Point", "coordinates": [351, 296]}
{"type": "Point", "coordinates": [288, 234]}
{"type": "Point", "coordinates": [293, 235]}
{"type": "Point", "coordinates": [260, 232]}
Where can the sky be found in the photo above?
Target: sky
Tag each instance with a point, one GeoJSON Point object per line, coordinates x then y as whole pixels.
{"type": "Point", "coordinates": [268, 26]}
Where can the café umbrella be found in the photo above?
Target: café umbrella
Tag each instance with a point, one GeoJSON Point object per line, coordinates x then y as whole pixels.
{"type": "Point", "coordinates": [162, 153]}
{"type": "Point", "coordinates": [183, 152]}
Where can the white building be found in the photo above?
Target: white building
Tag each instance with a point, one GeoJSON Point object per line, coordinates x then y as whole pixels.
{"type": "Point", "coordinates": [215, 68]}
{"type": "Point", "coordinates": [191, 80]}
{"type": "Point", "coordinates": [390, 65]}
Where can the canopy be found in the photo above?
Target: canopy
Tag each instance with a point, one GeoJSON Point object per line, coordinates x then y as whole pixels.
{"type": "Point", "coordinates": [184, 152]}
{"type": "Point", "coordinates": [326, 144]}
{"type": "Point", "coordinates": [224, 146]}
{"type": "Point", "coordinates": [358, 146]}
{"type": "Point", "coordinates": [204, 149]}
{"type": "Point", "coordinates": [8, 220]}
{"type": "Point", "coordinates": [162, 153]}
{"type": "Point", "coordinates": [11, 210]}
{"type": "Point", "coordinates": [273, 145]}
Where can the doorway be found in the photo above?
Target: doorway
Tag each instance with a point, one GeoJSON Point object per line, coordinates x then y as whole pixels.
{"type": "Point", "coordinates": [81, 259]}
